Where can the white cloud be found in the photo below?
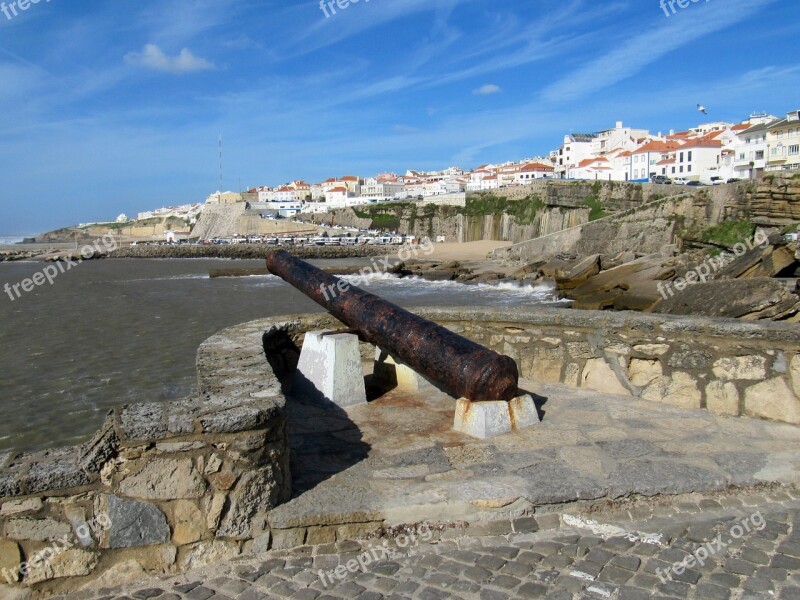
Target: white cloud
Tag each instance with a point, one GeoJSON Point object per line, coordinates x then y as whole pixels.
{"type": "Point", "coordinates": [153, 57]}
{"type": "Point", "coordinates": [488, 89]}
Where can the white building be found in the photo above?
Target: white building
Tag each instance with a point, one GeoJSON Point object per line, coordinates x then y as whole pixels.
{"type": "Point", "coordinates": [783, 143]}
{"type": "Point", "coordinates": [338, 197]}
{"type": "Point", "coordinates": [528, 173]}
{"type": "Point", "coordinates": [577, 147]}
{"type": "Point", "coordinates": [750, 151]}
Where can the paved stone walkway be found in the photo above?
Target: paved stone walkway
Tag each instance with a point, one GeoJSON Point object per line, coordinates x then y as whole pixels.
{"type": "Point", "coordinates": [398, 459]}
{"type": "Point", "coordinates": [736, 546]}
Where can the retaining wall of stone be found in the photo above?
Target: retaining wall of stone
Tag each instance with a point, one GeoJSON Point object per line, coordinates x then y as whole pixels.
{"type": "Point", "coordinates": [166, 487]}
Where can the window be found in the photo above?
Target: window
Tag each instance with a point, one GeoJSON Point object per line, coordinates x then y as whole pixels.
{"type": "Point", "coordinates": [673, 170]}
{"type": "Point", "coordinates": [681, 168]}
{"type": "Point", "coordinates": [794, 149]}
{"type": "Point", "coordinates": [681, 160]}
{"type": "Point", "coordinates": [741, 155]}
{"type": "Point", "coordinates": [747, 141]}
{"type": "Point", "coordinates": [689, 158]}
{"type": "Point", "coordinates": [689, 169]}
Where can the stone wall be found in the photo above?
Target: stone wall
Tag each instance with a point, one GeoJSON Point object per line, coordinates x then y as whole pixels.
{"type": "Point", "coordinates": [174, 486]}
{"type": "Point", "coordinates": [166, 487]}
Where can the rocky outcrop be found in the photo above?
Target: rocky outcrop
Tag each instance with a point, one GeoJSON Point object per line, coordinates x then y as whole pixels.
{"type": "Point", "coordinates": [750, 299]}
{"type": "Point", "coordinates": [776, 200]}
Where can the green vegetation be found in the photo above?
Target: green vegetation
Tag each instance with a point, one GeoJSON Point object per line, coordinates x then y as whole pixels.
{"type": "Point", "coordinates": [595, 208]}
{"type": "Point", "coordinates": [524, 211]}
{"type": "Point", "coordinates": [729, 233]}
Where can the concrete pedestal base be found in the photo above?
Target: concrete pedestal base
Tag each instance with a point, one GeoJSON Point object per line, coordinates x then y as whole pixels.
{"type": "Point", "coordinates": [391, 372]}
{"type": "Point", "coordinates": [330, 369]}
{"type": "Point", "coordinates": [489, 419]}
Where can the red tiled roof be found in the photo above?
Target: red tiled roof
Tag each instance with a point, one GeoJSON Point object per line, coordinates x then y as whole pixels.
{"type": "Point", "coordinates": [338, 189]}
{"type": "Point", "coordinates": [657, 146]}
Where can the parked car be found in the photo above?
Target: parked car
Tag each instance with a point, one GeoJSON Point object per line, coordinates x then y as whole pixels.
{"type": "Point", "coordinates": [661, 179]}
{"type": "Point", "coordinates": [733, 180]}
{"type": "Point", "coordinates": [680, 181]}
{"type": "Point", "coordinates": [716, 181]}
{"type": "Point", "coordinates": [695, 184]}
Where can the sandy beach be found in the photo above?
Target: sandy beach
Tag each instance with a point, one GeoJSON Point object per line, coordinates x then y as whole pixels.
{"type": "Point", "coordinates": [466, 251]}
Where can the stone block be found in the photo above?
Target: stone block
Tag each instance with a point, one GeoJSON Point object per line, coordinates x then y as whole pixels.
{"type": "Point", "coordinates": [188, 524]}
{"type": "Point", "coordinates": [600, 377]}
{"type": "Point", "coordinates": [523, 413]}
{"type": "Point", "coordinates": [70, 563]}
{"type": "Point", "coordinates": [678, 390]}
{"type": "Point", "coordinates": [165, 479]}
{"type": "Point", "coordinates": [143, 422]}
{"type": "Point", "coordinates": [52, 474]}
{"type": "Point", "coordinates": [773, 400]}
{"type": "Point", "coordinates": [722, 398]}
{"type": "Point", "coordinates": [134, 524]}
{"type": "Point", "coordinates": [489, 419]}
{"type": "Point", "coordinates": [741, 367]}
{"type": "Point", "coordinates": [644, 372]}
{"type": "Point", "coordinates": [256, 490]}
{"type": "Point", "coordinates": [391, 372]}
{"type": "Point", "coordinates": [14, 507]}
{"type": "Point", "coordinates": [283, 539]}
{"type": "Point", "coordinates": [235, 419]}
{"type": "Point", "coordinates": [330, 369]}
{"type": "Point", "coordinates": [10, 559]}
{"type": "Point", "coordinates": [209, 553]}
{"type": "Point", "coordinates": [40, 530]}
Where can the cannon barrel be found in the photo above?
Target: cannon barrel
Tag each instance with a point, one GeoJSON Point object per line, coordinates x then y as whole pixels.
{"type": "Point", "coordinates": [458, 365]}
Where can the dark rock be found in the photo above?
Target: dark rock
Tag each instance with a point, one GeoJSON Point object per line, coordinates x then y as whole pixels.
{"type": "Point", "coordinates": [135, 524]}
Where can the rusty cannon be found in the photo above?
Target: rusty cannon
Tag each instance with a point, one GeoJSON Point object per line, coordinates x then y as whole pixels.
{"type": "Point", "coordinates": [459, 366]}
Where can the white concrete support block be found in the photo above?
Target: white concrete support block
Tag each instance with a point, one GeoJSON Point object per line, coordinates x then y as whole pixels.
{"type": "Point", "coordinates": [489, 419]}
{"type": "Point", "coordinates": [330, 369]}
{"type": "Point", "coordinates": [391, 372]}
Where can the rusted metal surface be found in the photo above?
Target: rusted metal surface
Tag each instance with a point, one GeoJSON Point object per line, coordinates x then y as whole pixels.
{"type": "Point", "coordinates": [458, 365]}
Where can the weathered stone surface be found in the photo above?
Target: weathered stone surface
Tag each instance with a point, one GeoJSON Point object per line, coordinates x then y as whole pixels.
{"type": "Point", "coordinates": [794, 369]}
{"type": "Point", "coordinates": [739, 298]}
{"type": "Point", "coordinates": [773, 400]}
{"type": "Point", "coordinates": [288, 538]}
{"type": "Point", "coordinates": [741, 367]}
{"type": "Point", "coordinates": [644, 372]}
{"type": "Point", "coordinates": [54, 474]}
{"type": "Point", "coordinates": [256, 490]}
{"type": "Point", "coordinates": [651, 477]}
{"type": "Point", "coordinates": [134, 524]}
{"type": "Point", "coordinates": [10, 485]}
{"type": "Point", "coordinates": [330, 369]}
{"type": "Point", "coordinates": [13, 507]}
{"type": "Point", "coordinates": [599, 376]}
{"type": "Point", "coordinates": [10, 559]}
{"type": "Point", "coordinates": [101, 448]}
{"type": "Point", "coordinates": [652, 349]}
{"type": "Point", "coordinates": [553, 482]}
{"type": "Point", "coordinates": [143, 422]}
{"type": "Point", "coordinates": [119, 574]}
{"type": "Point", "coordinates": [42, 530]}
{"type": "Point", "coordinates": [523, 412]}
{"type": "Point", "coordinates": [482, 419]}
{"type": "Point", "coordinates": [233, 420]}
{"type": "Point", "coordinates": [70, 563]}
{"type": "Point", "coordinates": [165, 479]}
{"type": "Point", "coordinates": [208, 553]}
{"type": "Point", "coordinates": [680, 390]}
{"type": "Point", "coordinates": [188, 524]}
{"type": "Point", "coordinates": [215, 510]}
{"type": "Point", "coordinates": [722, 398]}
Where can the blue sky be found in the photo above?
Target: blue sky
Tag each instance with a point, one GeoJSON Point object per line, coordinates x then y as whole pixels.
{"type": "Point", "coordinates": [116, 105]}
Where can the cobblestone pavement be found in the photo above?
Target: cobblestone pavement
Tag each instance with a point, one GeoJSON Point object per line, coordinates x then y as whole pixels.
{"type": "Point", "coordinates": [742, 546]}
